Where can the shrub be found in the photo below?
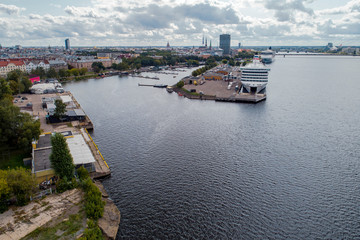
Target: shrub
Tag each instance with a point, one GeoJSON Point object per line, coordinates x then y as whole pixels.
{"type": "Point", "coordinates": [4, 191]}
{"type": "Point", "coordinates": [94, 205]}
{"type": "Point", "coordinates": [180, 84]}
{"type": "Point", "coordinates": [92, 232]}
{"type": "Point", "coordinates": [63, 185]}
{"type": "Point", "coordinates": [82, 173]}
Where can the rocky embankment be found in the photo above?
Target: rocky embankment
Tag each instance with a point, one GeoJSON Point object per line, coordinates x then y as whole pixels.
{"type": "Point", "coordinates": [109, 223]}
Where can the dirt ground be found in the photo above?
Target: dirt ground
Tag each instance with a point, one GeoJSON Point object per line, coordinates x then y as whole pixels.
{"type": "Point", "coordinates": [37, 110]}
{"type": "Point", "coordinates": [214, 88]}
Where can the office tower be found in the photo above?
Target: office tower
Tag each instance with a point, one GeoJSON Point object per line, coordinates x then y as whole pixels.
{"type": "Point", "coordinates": [225, 43]}
{"type": "Point", "coordinates": [67, 44]}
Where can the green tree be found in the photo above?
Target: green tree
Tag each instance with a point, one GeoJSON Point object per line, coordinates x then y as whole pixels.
{"type": "Point", "coordinates": [15, 87]}
{"type": "Point", "coordinates": [4, 191]}
{"type": "Point", "coordinates": [60, 108]}
{"type": "Point", "coordinates": [68, 73]}
{"type": "Point", "coordinates": [224, 61]}
{"type": "Point", "coordinates": [26, 83]}
{"type": "Point", "coordinates": [231, 62]}
{"type": "Point", "coordinates": [83, 71]}
{"type": "Point", "coordinates": [97, 66]}
{"type": "Point", "coordinates": [16, 128]}
{"type": "Point", "coordinates": [22, 184]}
{"type": "Point", "coordinates": [60, 157]}
{"type": "Point", "coordinates": [62, 73]}
{"type": "Point", "coordinates": [5, 90]}
{"type": "Point", "coordinates": [180, 84]}
{"type": "Point", "coordinates": [51, 73]}
{"type": "Point", "coordinates": [75, 72]}
{"type": "Point", "coordinates": [39, 71]}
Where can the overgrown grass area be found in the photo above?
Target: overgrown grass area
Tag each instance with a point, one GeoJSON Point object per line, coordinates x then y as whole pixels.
{"type": "Point", "coordinates": [12, 158]}
{"type": "Point", "coordinates": [68, 229]}
{"type": "Point", "coordinates": [191, 93]}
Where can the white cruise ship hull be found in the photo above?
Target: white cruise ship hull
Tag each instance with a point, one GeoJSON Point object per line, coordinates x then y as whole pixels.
{"type": "Point", "coordinates": [267, 60]}
{"type": "Point", "coordinates": [254, 77]}
{"type": "Point", "coordinates": [253, 87]}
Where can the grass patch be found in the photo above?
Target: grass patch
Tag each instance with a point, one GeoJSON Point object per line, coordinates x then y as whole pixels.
{"type": "Point", "coordinates": [12, 158]}
{"type": "Point", "coordinates": [47, 208]}
{"type": "Point", "coordinates": [63, 230]}
{"type": "Point", "coordinates": [191, 93]}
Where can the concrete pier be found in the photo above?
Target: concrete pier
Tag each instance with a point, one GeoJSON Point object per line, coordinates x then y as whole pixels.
{"type": "Point", "coordinates": [219, 91]}
{"type": "Point", "coordinates": [101, 167]}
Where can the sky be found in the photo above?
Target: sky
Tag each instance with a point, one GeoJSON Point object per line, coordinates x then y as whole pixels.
{"type": "Point", "coordinates": [179, 22]}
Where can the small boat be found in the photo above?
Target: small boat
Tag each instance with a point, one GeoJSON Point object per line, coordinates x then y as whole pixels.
{"type": "Point", "coordinates": [174, 76]}
{"type": "Point", "coordinates": [169, 89]}
{"type": "Point", "coordinates": [180, 94]}
{"type": "Point", "coordinates": [160, 85]}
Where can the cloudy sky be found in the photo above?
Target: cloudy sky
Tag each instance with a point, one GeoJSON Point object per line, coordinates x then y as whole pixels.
{"type": "Point", "coordinates": [181, 22]}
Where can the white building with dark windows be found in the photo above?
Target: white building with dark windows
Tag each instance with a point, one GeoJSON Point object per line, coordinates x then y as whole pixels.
{"type": "Point", "coordinates": [33, 64]}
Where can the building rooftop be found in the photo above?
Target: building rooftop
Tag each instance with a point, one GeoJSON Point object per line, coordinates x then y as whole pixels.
{"type": "Point", "coordinates": [79, 150]}
{"type": "Point", "coordinates": [44, 141]}
{"type": "Point", "coordinates": [66, 99]}
{"type": "Point", "coordinates": [42, 161]}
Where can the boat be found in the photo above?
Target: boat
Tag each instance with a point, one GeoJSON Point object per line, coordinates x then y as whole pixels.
{"type": "Point", "coordinates": [254, 77]}
{"type": "Point", "coordinates": [160, 85]}
{"type": "Point", "coordinates": [267, 56]}
{"type": "Point", "coordinates": [169, 89]}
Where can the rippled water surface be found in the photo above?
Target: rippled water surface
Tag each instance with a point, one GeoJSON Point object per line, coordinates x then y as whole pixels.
{"type": "Point", "coordinates": [286, 168]}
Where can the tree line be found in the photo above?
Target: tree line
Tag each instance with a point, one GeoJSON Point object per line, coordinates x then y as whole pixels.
{"type": "Point", "coordinates": [16, 128]}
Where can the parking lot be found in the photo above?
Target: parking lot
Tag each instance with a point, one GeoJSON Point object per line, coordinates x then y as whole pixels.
{"type": "Point", "coordinates": [215, 88]}
{"type": "Point", "coordinates": [32, 103]}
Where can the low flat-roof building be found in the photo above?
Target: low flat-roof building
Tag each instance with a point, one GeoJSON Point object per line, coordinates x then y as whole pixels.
{"type": "Point", "coordinates": [41, 166]}
{"type": "Point", "coordinates": [79, 150]}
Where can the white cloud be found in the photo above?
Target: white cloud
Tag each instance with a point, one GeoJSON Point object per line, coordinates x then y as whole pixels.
{"type": "Point", "coordinates": [81, 11]}
{"type": "Point", "coordinates": [351, 6]}
{"type": "Point", "coordinates": [182, 22]}
{"type": "Point", "coordinates": [10, 9]}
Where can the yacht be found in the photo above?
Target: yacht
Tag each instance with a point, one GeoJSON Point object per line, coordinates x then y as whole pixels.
{"type": "Point", "coordinates": [267, 56]}
{"type": "Point", "coordinates": [254, 77]}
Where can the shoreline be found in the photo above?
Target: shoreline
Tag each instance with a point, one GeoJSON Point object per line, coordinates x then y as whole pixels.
{"type": "Point", "coordinates": [102, 170]}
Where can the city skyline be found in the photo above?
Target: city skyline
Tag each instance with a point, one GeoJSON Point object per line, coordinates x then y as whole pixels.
{"type": "Point", "coordinates": [181, 23]}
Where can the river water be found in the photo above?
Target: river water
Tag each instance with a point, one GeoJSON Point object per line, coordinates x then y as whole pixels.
{"type": "Point", "coordinates": [285, 168]}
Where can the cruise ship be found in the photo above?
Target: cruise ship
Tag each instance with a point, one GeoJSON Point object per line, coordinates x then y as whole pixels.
{"type": "Point", "coordinates": [254, 77]}
{"type": "Point", "coordinates": [267, 56]}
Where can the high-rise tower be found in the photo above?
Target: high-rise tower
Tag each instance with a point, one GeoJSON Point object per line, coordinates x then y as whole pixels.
{"type": "Point", "coordinates": [225, 43]}
{"type": "Point", "coordinates": [67, 44]}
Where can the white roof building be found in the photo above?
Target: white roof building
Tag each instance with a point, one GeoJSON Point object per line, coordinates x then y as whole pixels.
{"type": "Point", "coordinates": [79, 150]}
